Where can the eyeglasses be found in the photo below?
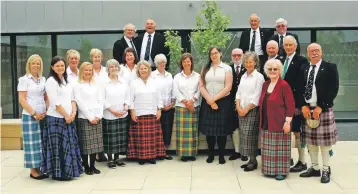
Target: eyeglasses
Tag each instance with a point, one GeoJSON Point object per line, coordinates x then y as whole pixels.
{"type": "Point", "coordinates": [216, 53]}
{"type": "Point", "coordinates": [280, 26]}
{"type": "Point", "coordinates": [237, 55]}
{"type": "Point", "coordinates": [272, 69]}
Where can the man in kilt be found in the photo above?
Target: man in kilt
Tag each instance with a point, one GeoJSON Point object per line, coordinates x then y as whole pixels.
{"type": "Point", "coordinates": [318, 87]}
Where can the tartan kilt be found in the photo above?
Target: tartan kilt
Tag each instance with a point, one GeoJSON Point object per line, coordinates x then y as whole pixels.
{"type": "Point", "coordinates": [90, 136]}
{"type": "Point", "coordinates": [61, 153]}
{"type": "Point", "coordinates": [216, 122]}
{"type": "Point", "coordinates": [275, 153]}
{"type": "Point", "coordinates": [115, 135]}
{"type": "Point", "coordinates": [187, 134]}
{"type": "Point", "coordinates": [249, 132]}
{"type": "Point", "coordinates": [325, 134]}
{"type": "Point", "coordinates": [31, 138]}
{"type": "Point", "coordinates": [145, 139]}
{"type": "Point", "coordinates": [166, 121]}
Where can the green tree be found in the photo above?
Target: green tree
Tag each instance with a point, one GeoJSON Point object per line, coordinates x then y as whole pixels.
{"type": "Point", "coordinates": [85, 49]}
{"type": "Point", "coordinates": [173, 42]}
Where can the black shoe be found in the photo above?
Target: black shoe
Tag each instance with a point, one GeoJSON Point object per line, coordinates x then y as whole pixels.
{"type": "Point", "coordinates": [88, 171]}
{"type": "Point", "coordinates": [250, 167]}
{"type": "Point", "coordinates": [210, 158]}
{"type": "Point", "coordinates": [184, 159]}
{"type": "Point", "coordinates": [168, 157]}
{"type": "Point", "coordinates": [244, 158]}
{"type": "Point", "coordinates": [119, 163]}
{"type": "Point", "coordinates": [45, 175]}
{"type": "Point", "coordinates": [192, 158]}
{"type": "Point", "coordinates": [152, 161]}
{"type": "Point", "coordinates": [161, 158]}
{"type": "Point", "coordinates": [311, 172]}
{"type": "Point", "coordinates": [245, 165]}
{"type": "Point", "coordinates": [291, 162]}
{"type": "Point", "coordinates": [102, 157]}
{"type": "Point", "coordinates": [96, 171]}
{"type": "Point", "coordinates": [222, 160]}
{"type": "Point", "coordinates": [326, 176]}
{"type": "Point", "coordinates": [40, 177]}
{"type": "Point", "coordinates": [235, 156]}
{"type": "Point", "coordinates": [141, 162]}
{"type": "Point", "coordinates": [299, 167]}
{"type": "Point", "coordinates": [111, 164]}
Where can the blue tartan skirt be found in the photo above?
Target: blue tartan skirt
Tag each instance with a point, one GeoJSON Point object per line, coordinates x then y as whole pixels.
{"type": "Point", "coordinates": [31, 137]}
{"type": "Point", "coordinates": [61, 152]}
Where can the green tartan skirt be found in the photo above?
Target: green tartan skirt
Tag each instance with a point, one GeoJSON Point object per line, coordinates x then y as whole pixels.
{"type": "Point", "coordinates": [187, 141]}
{"type": "Point", "coordinates": [115, 135]}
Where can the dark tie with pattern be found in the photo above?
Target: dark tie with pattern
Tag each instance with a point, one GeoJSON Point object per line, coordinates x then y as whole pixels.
{"type": "Point", "coordinates": [282, 51]}
{"type": "Point", "coordinates": [309, 85]}
{"type": "Point", "coordinates": [252, 47]}
{"type": "Point", "coordinates": [237, 70]}
{"type": "Point", "coordinates": [133, 47]}
{"type": "Point", "coordinates": [147, 49]}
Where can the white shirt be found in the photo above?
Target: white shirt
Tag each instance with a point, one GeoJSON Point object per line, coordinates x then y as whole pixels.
{"type": "Point", "coordinates": [71, 77]}
{"type": "Point", "coordinates": [215, 78]}
{"type": "Point", "coordinates": [35, 92]}
{"type": "Point", "coordinates": [116, 96]}
{"type": "Point", "coordinates": [165, 85]}
{"type": "Point", "coordinates": [145, 99]}
{"type": "Point", "coordinates": [59, 95]}
{"type": "Point", "coordinates": [186, 88]}
{"type": "Point", "coordinates": [313, 99]}
{"type": "Point", "coordinates": [144, 46]}
{"type": "Point", "coordinates": [102, 76]}
{"type": "Point", "coordinates": [250, 87]}
{"type": "Point", "coordinates": [128, 41]}
{"type": "Point", "coordinates": [127, 74]}
{"type": "Point", "coordinates": [258, 48]}
{"type": "Point", "coordinates": [235, 67]}
{"type": "Point", "coordinates": [89, 100]}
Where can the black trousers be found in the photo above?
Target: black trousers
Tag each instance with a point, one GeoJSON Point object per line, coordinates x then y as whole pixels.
{"type": "Point", "coordinates": [221, 140]}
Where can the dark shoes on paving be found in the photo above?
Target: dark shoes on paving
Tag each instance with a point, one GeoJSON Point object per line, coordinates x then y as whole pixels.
{"type": "Point", "coordinates": [311, 172]}
{"type": "Point", "coordinates": [210, 158]}
{"type": "Point", "coordinates": [235, 156]}
{"type": "Point", "coordinates": [299, 167]}
{"type": "Point", "coordinates": [102, 157]}
{"type": "Point", "coordinates": [40, 177]}
{"type": "Point", "coordinates": [186, 158]}
{"type": "Point", "coordinates": [91, 171]}
{"type": "Point", "coordinates": [249, 166]}
{"type": "Point", "coordinates": [111, 164]}
{"type": "Point", "coordinates": [152, 161]}
{"type": "Point", "coordinates": [244, 158]}
{"type": "Point", "coordinates": [326, 175]}
{"type": "Point", "coordinates": [222, 160]}
{"type": "Point", "coordinates": [165, 157]}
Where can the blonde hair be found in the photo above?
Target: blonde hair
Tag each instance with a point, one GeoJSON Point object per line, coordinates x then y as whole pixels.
{"type": "Point", "coordinates": [273, 62]}
{"type": "Point", "coordinates": [72, 52]}
{"type": "Point", "coordinates": [82, 69]}
{"type": "Point", "coordinates": [31, 59]}
{"type": "Point", "coordinates": [95, 51]}
{"type": "Point", "coordinates": [145, 63]}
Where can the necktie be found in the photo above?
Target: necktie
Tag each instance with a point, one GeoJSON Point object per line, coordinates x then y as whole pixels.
{"type": "Point", "coordinates": [133, 47]}
{"type": "Point", "coordinates": [309, 86]}
{"type": "Point", "coordinates": [147, 49]}
{"type": "Point", "coordinates": [281, 41]}
{"type": "Point", "coordinates": [252, 47]}
{"type": "Point", "coordinates": [237, 70]}
{"type": "Point", "coordinates": [285, 67]}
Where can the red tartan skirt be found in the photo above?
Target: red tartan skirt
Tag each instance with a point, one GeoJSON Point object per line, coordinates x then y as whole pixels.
{"type": "Point", "coordinates": [145, 139]}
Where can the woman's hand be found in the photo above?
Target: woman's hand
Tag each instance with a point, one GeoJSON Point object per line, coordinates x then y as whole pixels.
{"type": "Point", "coordinates": [210, 101]}
{"type": "Point", "coordinates": [134, 116]}
{"type": "Point", "coordinates": [159, 114]}
{"type": "Point", "coordinates": [286, 127]}
{"type": "Point", "coordinates": [68, 119]}
{"type": "Point", "coordinates": [214, 106]}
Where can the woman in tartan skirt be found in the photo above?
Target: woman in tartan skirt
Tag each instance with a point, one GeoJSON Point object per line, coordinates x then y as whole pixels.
{"type": "Point", "coordinates": [277, 107]}
{"type": "Point", "coordinates": [187, 93]}
{"type": "Point", "coordinates": [247, 101]}
{"type": "Point", "coordinates": [61, 153]}
{"type": "Point", "coordinates": [115, 123]}
{"type": "Point", "coordinates": [145, 141]}
{"type": "Point", "coordinates": [32, 98]}
{"type": "Point", "coordinates": [89, 99]}
{"type": "Point", "coordinates": [215, 121]}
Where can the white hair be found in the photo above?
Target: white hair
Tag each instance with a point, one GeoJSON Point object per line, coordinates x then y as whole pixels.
{"type": "Point", "coordinates": [272, 42]}
{"type": "Point", "coordinates": [127, 25]}
{"type": "Point", "coordinates": [254, 15]}
{"type": "Point", "coordinates": [281, 21]}
{"type": "Point", "coordinates": [289, 37]}
{"type": "Point", "coordinates": [160, 58]}
{"type": "Point", "coordinates": [273, 63]}
{"type": "Point", "coordinates": [112, 62]}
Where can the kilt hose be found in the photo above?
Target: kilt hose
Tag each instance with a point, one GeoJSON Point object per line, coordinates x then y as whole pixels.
{"type": "Point", "coordinates": [249, 132]}
{"type": "Point", "coordinates": [90, 136]}
{"type": "Point", "coordinates": [166, 121]}
{"type": "Point", "coordinates": [61, 152]}
{"type": "Point", "coordinates": [275, 153]}
{"type": "Point", "coordinates": [31, 138]}
{"type": "Point", "coordinates": [187, 133]}
{"type": "Point", "coordinates": [216, 122]}
{"type": "Point", "coordinates": [145, 139]}
{"type": "Point", "coordinates": [325, 134]}
{"type": "Point", "coordinates": [115, 135]}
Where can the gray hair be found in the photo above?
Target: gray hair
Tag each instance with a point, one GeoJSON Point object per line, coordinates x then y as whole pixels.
{"type": "Point", "coordinates": [145, 63]}
{"type": "Point", "coordinates": [160, 58]}
{"type": "Point", "coordinates": [254, 57]}
{"type": "Point", "coordinates": [281, 21]}
{"type": "Point", "coordinates": [289, 37]}
{"type": "Point", "coordinates": [254, 15]}
{"type": "Point", "coordinates": [272, 42]}
{"type": "Point", "coordinates": [112, 62]}
{"type": "Point", "coordinates": [127, 25]}
{"type": "Point", "coordinates": [272, 63]}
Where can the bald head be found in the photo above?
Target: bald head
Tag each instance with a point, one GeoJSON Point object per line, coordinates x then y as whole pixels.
{"type": "Point", "coordinates": [314, 53]}
{"type": "Point", "coordinates": [272, 48]}
{"type": "Point", "coordinates": [150, 26]}
{"type": "Point", "coordinates": [236, 55]}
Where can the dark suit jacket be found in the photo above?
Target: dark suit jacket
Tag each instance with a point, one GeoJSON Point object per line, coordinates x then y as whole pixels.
{"type": "Point", "coordinates": [245, 39]}
{"type": "Point", "coordinates": [157, 46]}
{"type": "Point", "coordinates": [327, 84]}
{"type": "Point", "coordinates": [118, 49]}
{"type": "Point", "coordinates": [280, 104]}
{"type": "Point", "coordinates": [281, 51]}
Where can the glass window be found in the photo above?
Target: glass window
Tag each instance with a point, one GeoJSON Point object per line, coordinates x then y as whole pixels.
{"type": "Point", "coordinates": [85, 42]}
{"type": "Point", "coordinates": [6, 78]}
{"type": "Point", "coordinates": [341, 47]}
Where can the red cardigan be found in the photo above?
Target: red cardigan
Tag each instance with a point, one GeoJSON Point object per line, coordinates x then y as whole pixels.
{"type": "Point", "coordinates": [280, 104]}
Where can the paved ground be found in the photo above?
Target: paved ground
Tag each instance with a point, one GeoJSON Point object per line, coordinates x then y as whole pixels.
{"type": "Point", "coordinates": [348, 131]}
{"type": "Point", "coordinates": [176, 177]}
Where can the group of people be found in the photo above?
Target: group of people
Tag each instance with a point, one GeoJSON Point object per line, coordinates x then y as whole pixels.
{"type": "Point", "coordinates": [266, 95]}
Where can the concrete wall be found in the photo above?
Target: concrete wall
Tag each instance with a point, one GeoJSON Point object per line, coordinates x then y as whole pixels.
{"type": "Point", "coordinates": [51, 16]}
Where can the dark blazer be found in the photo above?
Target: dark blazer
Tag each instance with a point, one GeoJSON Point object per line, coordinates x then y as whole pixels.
{"type": "Point", "coordinates": [280, 104]}
{"type": "Point", "coordinates": [281, 51]}
{"type": "Point", "coordinates": [118, 49]}
{"type": "Point", "coordinates": [245, 39]}
{"type": "Point", "coordinates": [157, 46]}
{"type": "Point", "coordinates": [327, 85]}
{"type": "Point", "coordinates": [292, 74]}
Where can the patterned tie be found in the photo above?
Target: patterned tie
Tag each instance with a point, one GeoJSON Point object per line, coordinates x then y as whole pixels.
{"type": "Point", "coordinates": [252, 47]}
{"type": "Point", "coordinates": [282, 51]}
{"type": "Point", "coordinates": [309, 86]}
{"type": "Point", "coordinates": [285, 67]}
{"type": "Point", "coordinates": [237, 70]}
{"type": "Point", "coordinates": [147, 49]}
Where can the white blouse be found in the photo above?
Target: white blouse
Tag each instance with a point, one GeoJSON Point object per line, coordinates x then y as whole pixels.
{"type": "Point", "coordinates": [59, 95]}
{"type": "Point", "coordinates": [101, 77]}
{"type": "Point", "coordinates": [116, 95]}
{"type": "Point", "coordinates": [89, 100]}
{"type": "Point", "coordinates": [215, 78]}
{"type": "Point", "coordinates": [250, 87]}
{"type": "Point", "coordinates": [128, 75]}
{"type": "Point", "coordinates": [186, 88]}
{"type": "Point", "coordinates": [71, 77]}
{"type": "Point", "coordinates": [165, 84]}
{"type": "Point", "coordinates": [35, 91]}
{"type": "Point", "coordinates": [145, 99]}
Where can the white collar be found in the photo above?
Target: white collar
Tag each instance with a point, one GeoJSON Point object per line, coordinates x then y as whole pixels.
{"type": "Point", "coordinates": [146, 34]}
{"type": "Point", "coordinates": [156, 72]}
{"type": "Point", "coordinates": [182, 72]}
{"type": "Point", "coordinates": [252, 74]}
{"type": "Point", "coordinates": [257, 30]}
{"type": "Point", "coordinates": [127, 39]}
{"type": "Point", "coordinates": [69, 71]}
{"type": "Point", "coordinates": [317, 64]}
{"type": "Point", "coordinates": [284, 35]}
